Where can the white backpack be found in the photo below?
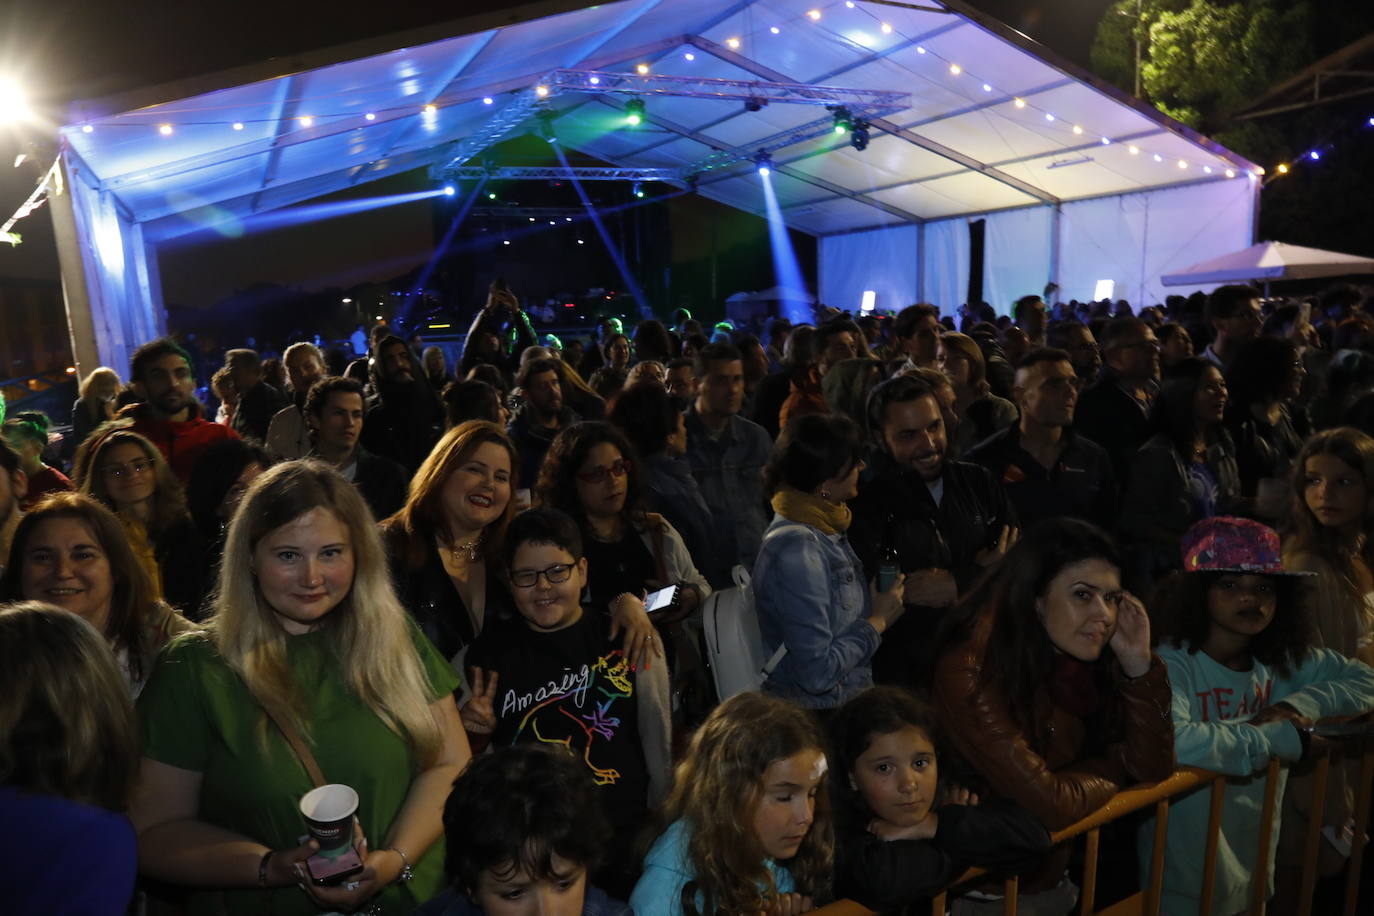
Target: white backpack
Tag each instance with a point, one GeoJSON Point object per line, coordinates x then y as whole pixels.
{"type": "Point", "coordinates": [734, 645]}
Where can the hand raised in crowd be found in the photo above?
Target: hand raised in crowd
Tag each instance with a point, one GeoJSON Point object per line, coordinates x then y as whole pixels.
{"type": "Point", "coordinates": [479, 712]}
{"type": "Point", "coordinates": [1131, 641]}
{"type": "Point", "coordinates": [930, 588]}
{"type": "Point", "coordinates": [887, 606]}
{"type": "Point", "coordinates": [503, 299]}
{"type": "Point", "coordinates": [990, 555]}
{"type": "Point", "coordinates": [789, 905]}
{"type": "Point", "coordinates": [639, 644]}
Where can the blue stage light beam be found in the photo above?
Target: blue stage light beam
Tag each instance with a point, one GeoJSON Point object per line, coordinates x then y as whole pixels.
{"type": "Point", "coordinates": [786, 270]}
{"type": "Point", "coordinates": [442, 248]}
{"type": "Point", "coordinates": [635, 292]}
{"type": "Point", "coordinates": [210, 218]}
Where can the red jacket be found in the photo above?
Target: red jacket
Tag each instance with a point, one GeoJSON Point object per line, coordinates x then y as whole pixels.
{"type": "Point", "coordinates": [180, 441]}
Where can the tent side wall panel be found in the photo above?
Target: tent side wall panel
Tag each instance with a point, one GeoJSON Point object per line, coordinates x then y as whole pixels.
{"type": "Point", "coordinates": [884, 260]}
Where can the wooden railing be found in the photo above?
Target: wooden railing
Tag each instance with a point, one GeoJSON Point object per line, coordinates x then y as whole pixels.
{"type": "Point", "coordinates": [1184, 781]}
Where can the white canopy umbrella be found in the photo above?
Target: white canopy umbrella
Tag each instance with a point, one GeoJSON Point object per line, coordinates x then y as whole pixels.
{"type": "Point", "coordinates": [1271, 261]}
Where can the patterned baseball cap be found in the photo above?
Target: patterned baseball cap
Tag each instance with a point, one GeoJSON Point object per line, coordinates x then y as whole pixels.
{"type": "Point", "coordinates": [1229, 544]}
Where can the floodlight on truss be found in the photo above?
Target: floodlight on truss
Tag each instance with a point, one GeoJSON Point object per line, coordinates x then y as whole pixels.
{"type": "Point", "coordinates": [859, 103]}
{"type": "Point", "coordinates": [717, 159]}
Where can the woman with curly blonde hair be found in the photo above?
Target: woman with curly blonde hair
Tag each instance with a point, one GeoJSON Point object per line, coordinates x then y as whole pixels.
{"type": "Point", "coordinates": [127, 473]}
{"type": "Point", "coordinates": [748, 820]}
{"type": "Point", "coordinates": [308, 648]}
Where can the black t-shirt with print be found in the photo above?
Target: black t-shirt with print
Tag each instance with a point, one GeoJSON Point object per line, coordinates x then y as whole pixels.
{"type": "Point", "coordinates": [571, 687]}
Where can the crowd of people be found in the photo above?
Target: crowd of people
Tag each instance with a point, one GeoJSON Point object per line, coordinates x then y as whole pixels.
{"type": "Point", "coordinates": [1003, 568]}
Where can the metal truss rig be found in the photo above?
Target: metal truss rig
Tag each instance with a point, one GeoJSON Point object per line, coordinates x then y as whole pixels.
{"type": "Point", "coordinates": [861, 103]}
{"type": "Point", "coordinates": [558, 173]}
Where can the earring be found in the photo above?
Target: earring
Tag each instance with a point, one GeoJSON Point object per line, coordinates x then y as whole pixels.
{"type": "Point", "coordinates": [825, 494]}
{"type": "Point", "coordinates": [852, 784]}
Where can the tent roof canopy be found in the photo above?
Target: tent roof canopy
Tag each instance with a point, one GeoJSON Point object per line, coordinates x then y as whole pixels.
{"type": "Point", "coordinates": [990, 121]}
{"type": "Point", "coordinates": [1271, 261]}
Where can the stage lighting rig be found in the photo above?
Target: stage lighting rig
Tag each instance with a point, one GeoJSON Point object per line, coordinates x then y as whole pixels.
{"type": "Point", "coordinates": [858, 135]}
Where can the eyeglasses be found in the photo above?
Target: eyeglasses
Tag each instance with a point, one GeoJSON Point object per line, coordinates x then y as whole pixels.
{"type": "Point", "coordinates": [526, 578]}
{"type": "Point", "coordinates": [601, 474]}
{"type": "Point", "coordinates": [128, 469]}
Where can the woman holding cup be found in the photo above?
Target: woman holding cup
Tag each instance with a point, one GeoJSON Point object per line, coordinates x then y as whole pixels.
{"type": "Point", "coordinates": [310, 662]}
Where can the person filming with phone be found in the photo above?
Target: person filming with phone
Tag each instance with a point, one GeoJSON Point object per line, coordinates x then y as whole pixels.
{"type": "Point", "coordinates": [312, 680]}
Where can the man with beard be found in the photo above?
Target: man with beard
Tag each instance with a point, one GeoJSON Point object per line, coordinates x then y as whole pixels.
{"type": "Point", "coordinates": [1045, 468]}
{"type": "Point", "coordinates": [288, 436]}
{"type": "Point", "coordinates": [1074, 338]}
{"type": "Point", "coordinates": [542, 417]}
{"type": "Point", "coordinates": [404, 419]}
{"type": "Point", "coordinates": [168, 414]}
{"type": "Point", "coordinates": [942, 521]}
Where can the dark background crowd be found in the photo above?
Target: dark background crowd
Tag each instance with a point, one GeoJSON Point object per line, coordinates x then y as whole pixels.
{"type": "Point", "coordinates": [1042, 536]}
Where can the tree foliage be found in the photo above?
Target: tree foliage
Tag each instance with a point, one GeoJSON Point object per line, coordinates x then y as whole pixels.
{"type": "Point", "coordinates": [1204, 58]}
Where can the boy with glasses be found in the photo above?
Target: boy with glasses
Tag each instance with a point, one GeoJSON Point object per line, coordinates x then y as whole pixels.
{"type": "Point", "coordinates": [552, 675]}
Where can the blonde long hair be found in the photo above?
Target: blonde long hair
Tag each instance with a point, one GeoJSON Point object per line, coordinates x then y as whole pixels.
{"type": "Point", "coordinates": [369, 631]}
{"type": "Point", "coordinates": [87, 391]}
{"type": "Point", "coordinates": [66, 721]}
{"type": "Point", "coordinates": [715, 790]}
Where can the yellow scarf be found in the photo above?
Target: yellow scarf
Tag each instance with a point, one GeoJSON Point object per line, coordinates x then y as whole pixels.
{"type": "Point", "coordinates": [143, 551]}
{"type": "Point", "coordinates": [796, 506]}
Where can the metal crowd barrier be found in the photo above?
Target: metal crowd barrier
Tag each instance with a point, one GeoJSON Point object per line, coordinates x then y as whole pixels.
{"type": "Point", "coordinates": [1188, 779]}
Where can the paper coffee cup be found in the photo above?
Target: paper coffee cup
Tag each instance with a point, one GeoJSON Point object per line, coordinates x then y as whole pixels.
{"type": "Point", "coordinates": [328, 812]}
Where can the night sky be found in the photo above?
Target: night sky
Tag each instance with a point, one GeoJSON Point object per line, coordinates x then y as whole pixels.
{"type": "Point", "coordinates": [66, 50]}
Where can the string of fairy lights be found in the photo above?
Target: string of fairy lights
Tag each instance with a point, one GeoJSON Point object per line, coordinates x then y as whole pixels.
{"type": "Point", "coordinates": [869, 32]}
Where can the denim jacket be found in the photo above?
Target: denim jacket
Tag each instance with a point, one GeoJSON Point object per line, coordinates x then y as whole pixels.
{"type": "Point", "coordinates": [729, 471]}
{"type": "Point", "coordinates": [810, 593]}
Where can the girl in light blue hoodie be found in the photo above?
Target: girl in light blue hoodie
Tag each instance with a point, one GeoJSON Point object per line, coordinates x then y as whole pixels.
{"type": "Point", "coordinates": [1247, 686]}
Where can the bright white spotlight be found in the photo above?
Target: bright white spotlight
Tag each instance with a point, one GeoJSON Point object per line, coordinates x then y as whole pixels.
{"type": "Point", "coordinates": [165, 130]}
{"type": "Point", "coordinates": [14, 104]}
{"type": "Point", "coordinates": [86, 129]}
{"type": "Point", "coordinates": [238, 125]}
{"type": "Point", "coordinates": [487, 100]}
{"type": "Point", "coordinates": [1104, 289]}
{"type": "Point", "coordinates": [764, 163]}
{"type": "Point", "coordinates": [870, 298]}
{"type": "Point", "coordinates": [370, 116]}
{"type": "Point", "coordinates": [450, 190]}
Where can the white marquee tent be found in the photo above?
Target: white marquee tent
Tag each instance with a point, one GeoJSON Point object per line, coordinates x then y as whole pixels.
{"type": "Point", "coordinates": [1077, 182]}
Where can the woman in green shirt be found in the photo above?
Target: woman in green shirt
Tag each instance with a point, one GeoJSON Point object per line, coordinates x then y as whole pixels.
{"type": "Point", "coordinates": [306, 624]}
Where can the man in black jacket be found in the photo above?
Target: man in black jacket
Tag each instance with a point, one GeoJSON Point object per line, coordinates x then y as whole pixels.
{"type": "Point", "coordinates": [258, 401]}
{"type": "Point", "coordinates": [1114, 412]}
{"type": "Point", "coordinates": [334, 409]}
{"type": "Point", "coordinates": [404, 419]}
{"type": "Point", "coordinates": [1046, 469]}
{"type": "Point", "coordinates": [944, 521]}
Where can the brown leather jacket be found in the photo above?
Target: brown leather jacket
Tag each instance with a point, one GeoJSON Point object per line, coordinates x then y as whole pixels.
{"type": "Point", "coordinates": [1047, 776]}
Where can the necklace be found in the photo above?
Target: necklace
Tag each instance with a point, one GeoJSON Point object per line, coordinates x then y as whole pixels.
{"type": "Point", "coordinates": [466, 552]}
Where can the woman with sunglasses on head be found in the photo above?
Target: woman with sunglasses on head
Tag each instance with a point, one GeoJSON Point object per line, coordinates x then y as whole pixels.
{"type": "Point", "coordinates": [590, 472]}
{"type": "Point", "coordinates": [128, 474]}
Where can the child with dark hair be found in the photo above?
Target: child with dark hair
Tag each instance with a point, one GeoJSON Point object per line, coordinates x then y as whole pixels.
{"type": "Point", "coordinates": [1248, 684]}
{"type": "Point", "coordinates": [901, 834]}
{"type": "Point", "coordinates": [542, 831]}
{"type": "Point", "coordinates": [550, 673]}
